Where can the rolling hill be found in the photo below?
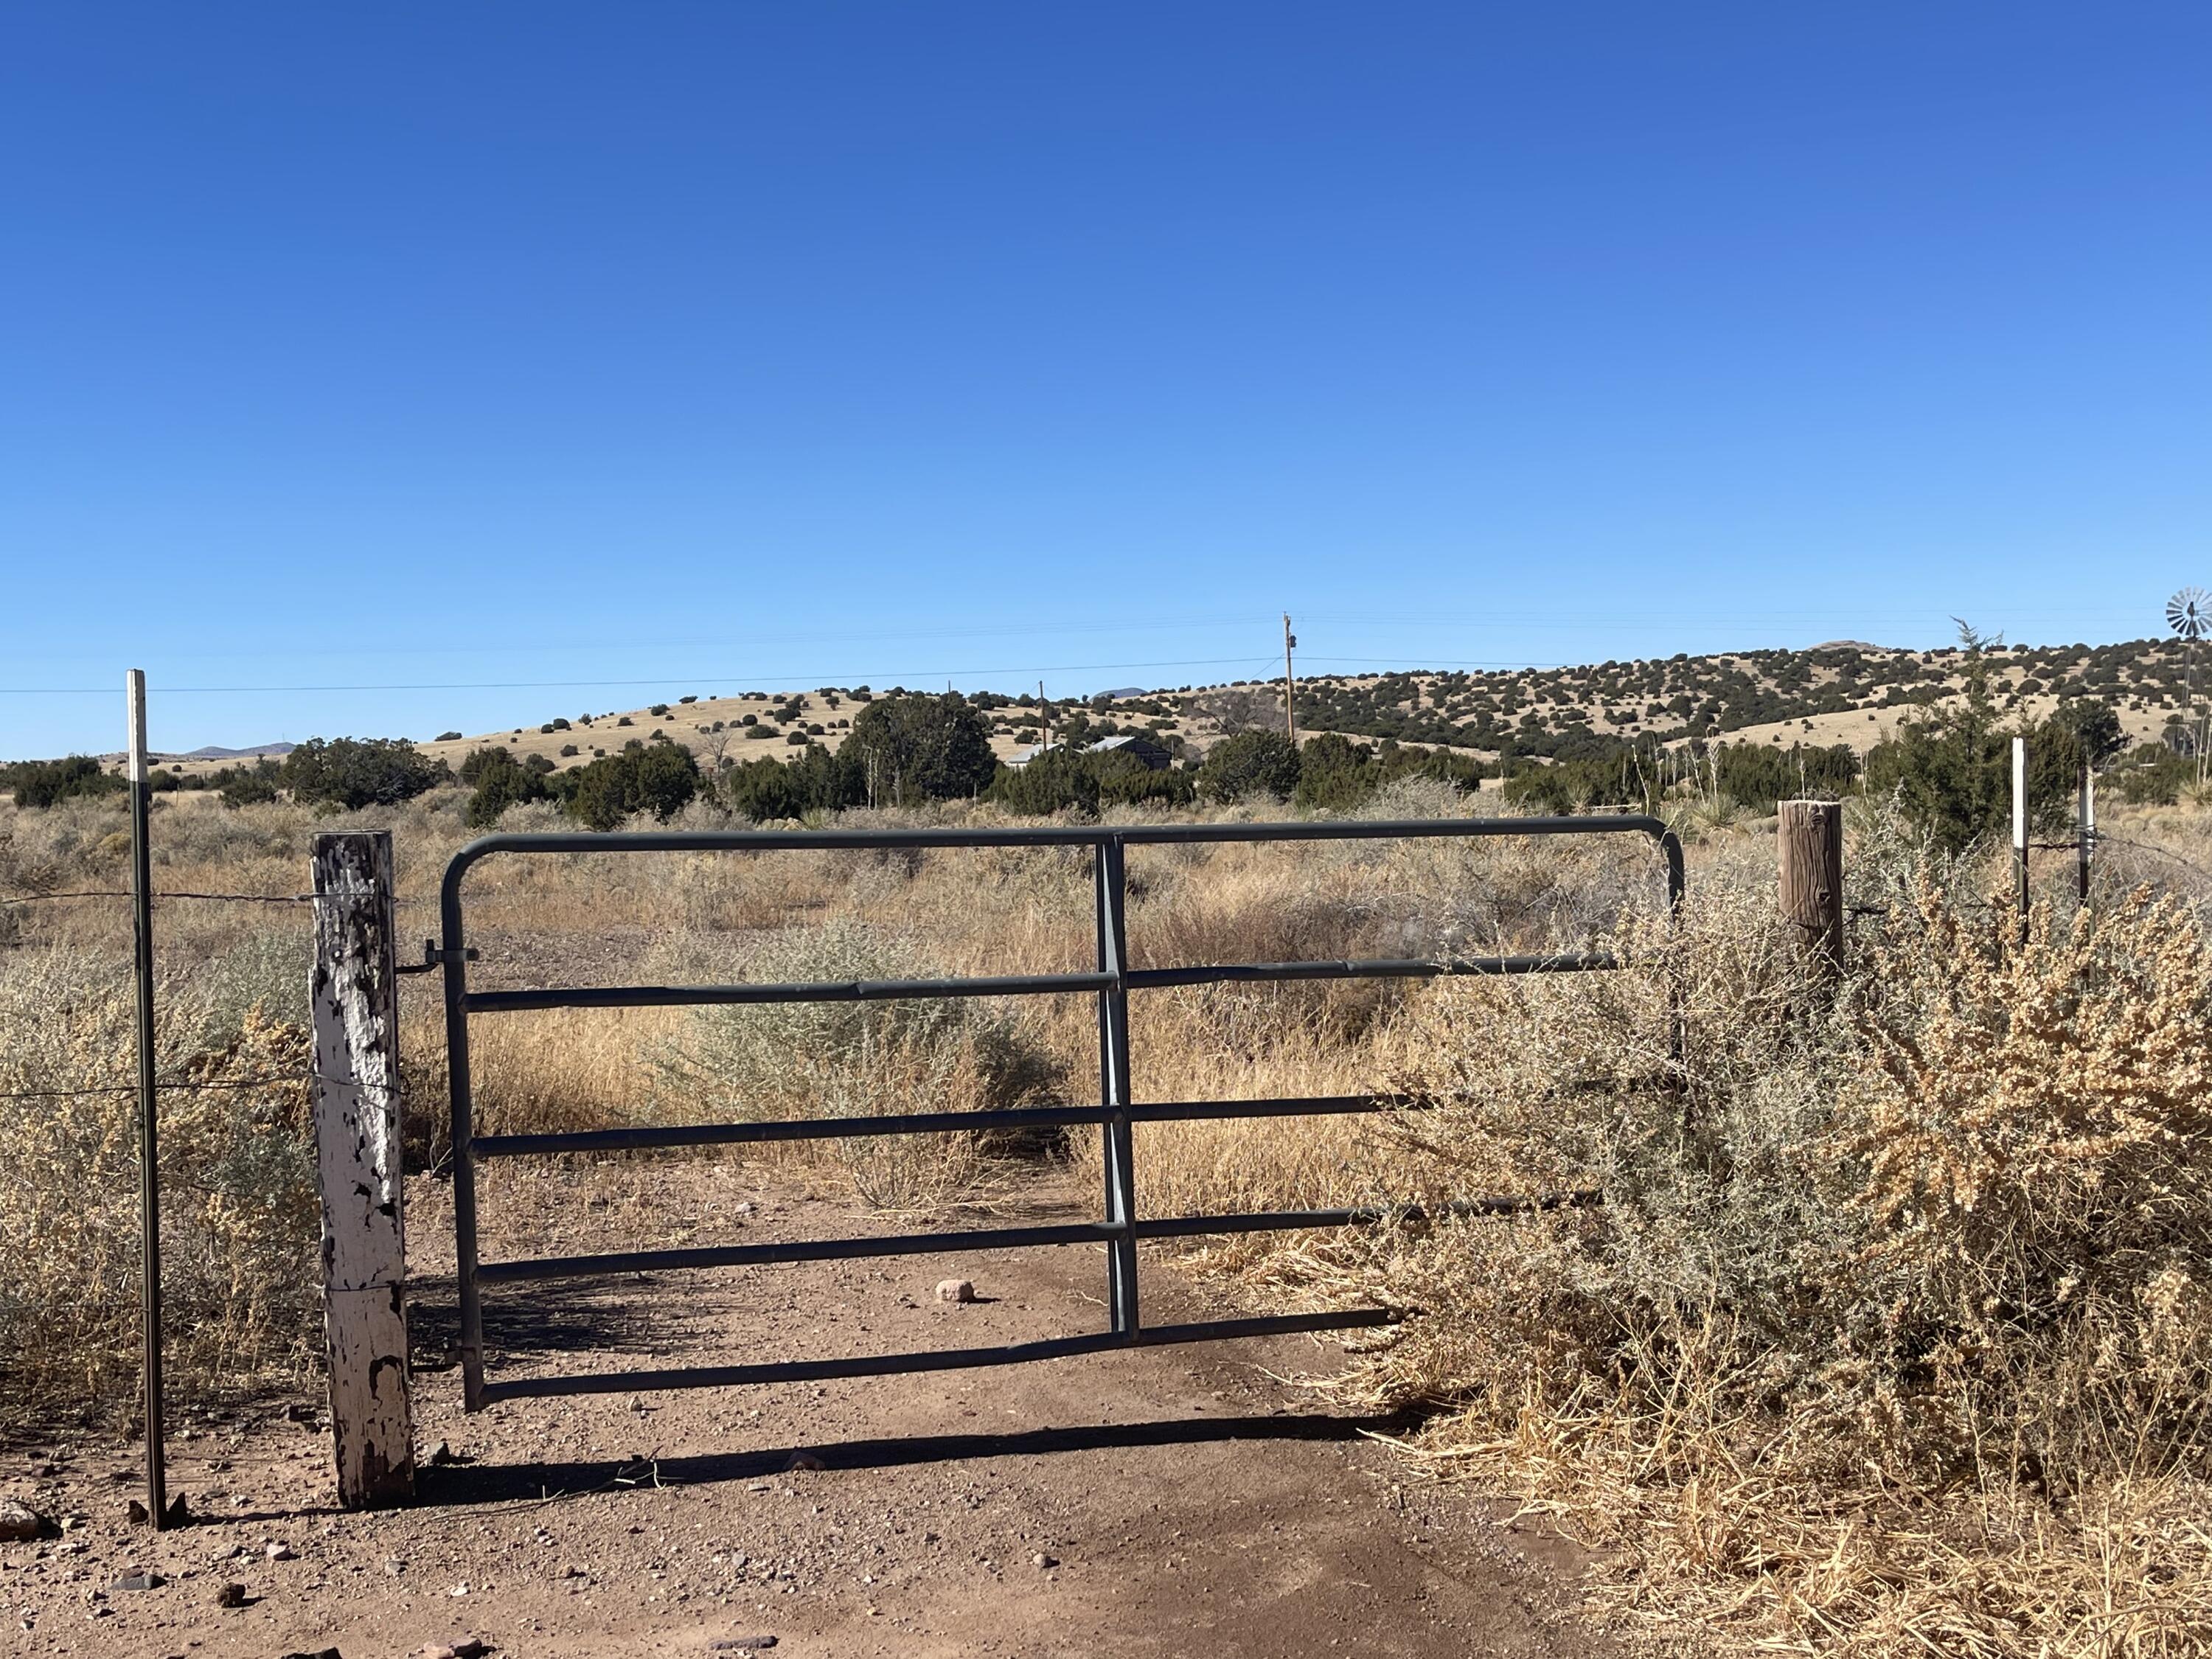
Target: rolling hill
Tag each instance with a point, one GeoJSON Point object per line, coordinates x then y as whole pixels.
{"type": "Point", "coordinates": [1844, 691]}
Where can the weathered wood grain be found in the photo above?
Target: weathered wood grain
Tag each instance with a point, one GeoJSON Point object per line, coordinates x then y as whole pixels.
{"type": "Point", "coordinates": [354, 995]}
{"type": "Point", "coordinates": [1810, 846]}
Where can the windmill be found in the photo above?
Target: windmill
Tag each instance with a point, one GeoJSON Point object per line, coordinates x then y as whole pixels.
{"type": "Point", "coordinates": [2189, 614]}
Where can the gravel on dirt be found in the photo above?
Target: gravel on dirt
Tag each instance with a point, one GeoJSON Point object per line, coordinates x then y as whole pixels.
{"type": "Point", "coordinates": [1147, 1502]}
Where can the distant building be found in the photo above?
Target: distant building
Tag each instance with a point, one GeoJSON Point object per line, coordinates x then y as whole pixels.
{"type": "Point", "coordinates": [1138, 747]}
{"type": "Point", "coordinates": [1147, 752]}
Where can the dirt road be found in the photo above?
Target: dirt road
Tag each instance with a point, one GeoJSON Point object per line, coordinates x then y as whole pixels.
{"type": "Point", "coordinates": [1176, 1501]}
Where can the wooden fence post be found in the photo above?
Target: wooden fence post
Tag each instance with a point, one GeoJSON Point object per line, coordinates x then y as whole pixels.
{"type": "Point", "coordinates": [1809, 843]}
{"type": "Point", "coordinates": [355, 994]}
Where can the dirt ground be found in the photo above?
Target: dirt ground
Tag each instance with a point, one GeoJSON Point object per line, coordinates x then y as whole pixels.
{"type": "Point", "coordinates": [1163, 1501]}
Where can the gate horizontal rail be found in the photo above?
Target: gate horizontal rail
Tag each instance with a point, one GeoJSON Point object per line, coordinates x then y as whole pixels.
{"type": "Point", "coordinates": [642, 1138]}
{"type": "Point", "coordinates": [1112, 980]}
{"type": "Point", "coordinates": [606, 1263]}
{"type": "Point", "coordinates": [1016, 985]}
{"type": "Point", "coordinates": [947, 1359]}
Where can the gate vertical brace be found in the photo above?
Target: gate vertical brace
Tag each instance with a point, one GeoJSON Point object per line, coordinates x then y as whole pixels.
{"type": "Point", "coordinates": [1111, 881]}
{"type": "Point", "coordinates": [454, 957]}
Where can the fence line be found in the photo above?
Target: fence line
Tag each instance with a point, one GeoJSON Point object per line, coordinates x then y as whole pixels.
{"type": "Point", "coordinates": [176, 1082]}
{"type": "Point", "coordinates": [125, 893]}
{"type": "Point", "coordinates": [144, 899]}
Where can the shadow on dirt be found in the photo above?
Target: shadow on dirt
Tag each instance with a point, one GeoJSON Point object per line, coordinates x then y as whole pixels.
{"type": "Point", "coordinates": [506, 1483]}
{"type": "Point", "coordinates": [571, 1317]}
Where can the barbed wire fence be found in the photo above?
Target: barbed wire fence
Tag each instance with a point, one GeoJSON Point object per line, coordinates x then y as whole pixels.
{"type": "Point", "coordinates": [12, 900]}
{"type": "Point", "coordinates": [346, 1069]}
{"type": "Point", "coordinates": [152, 1083]}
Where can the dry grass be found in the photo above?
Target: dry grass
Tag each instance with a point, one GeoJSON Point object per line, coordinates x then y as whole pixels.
{"type": "Point", "coordinates": [239, 1258]}
{"type": "Point", "coordinates": [1892, 1335]}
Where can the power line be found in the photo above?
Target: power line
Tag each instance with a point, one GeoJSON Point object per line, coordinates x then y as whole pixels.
{"type": "Point", "coordinates": [600, 645]}
{"type": "Point", "coordinates": [817, 678]}
{"type": "Point", "coordinates": [1490, 620]}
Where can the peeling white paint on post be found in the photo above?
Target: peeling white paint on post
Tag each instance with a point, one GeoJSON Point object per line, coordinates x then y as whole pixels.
{"type": "Point", "coordinates": [355, 994]}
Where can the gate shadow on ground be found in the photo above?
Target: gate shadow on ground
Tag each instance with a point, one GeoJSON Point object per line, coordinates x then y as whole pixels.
{"type": "Point", "coordinates": [592, 1314]}
{"type": "Point", "coordinates": [508, 1483]}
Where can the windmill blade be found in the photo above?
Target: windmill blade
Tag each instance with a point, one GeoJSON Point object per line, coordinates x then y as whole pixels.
{"type": "Point", "coordinates": [2188, 613]}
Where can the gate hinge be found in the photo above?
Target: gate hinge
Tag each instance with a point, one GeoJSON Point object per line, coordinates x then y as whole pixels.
{"type": "Point", "coordinates": [433, 959]}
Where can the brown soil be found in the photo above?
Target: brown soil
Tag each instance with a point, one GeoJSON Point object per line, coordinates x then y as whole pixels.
{"type": "Point", "coordinates": [1164, 1501]}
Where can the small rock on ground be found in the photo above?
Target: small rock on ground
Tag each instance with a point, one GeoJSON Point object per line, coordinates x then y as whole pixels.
{"type": "Point", "coordinates": [20, 1523]}
{"type": "Point", "coordinates": [955, 1290]}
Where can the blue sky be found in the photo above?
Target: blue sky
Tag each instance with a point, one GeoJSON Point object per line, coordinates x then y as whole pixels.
{"type": "Point", "coordinates": [717, 346]}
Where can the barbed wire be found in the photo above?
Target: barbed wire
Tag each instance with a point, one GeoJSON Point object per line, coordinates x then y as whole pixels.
{"type": "Point", "coordinates": [125, 893]}
{"type": "Point", "coordinates": [397, 899]}
{"type": "Point", "coordinates": [174, 1084]}
{"type": "Point", "coordinates": [2160, 852]}
{"type": "Point", "coordinates": [194, 1083]}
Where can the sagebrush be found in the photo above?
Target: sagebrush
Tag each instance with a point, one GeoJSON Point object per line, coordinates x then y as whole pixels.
{"type": "Point", "coordinates": [1890, 1333]}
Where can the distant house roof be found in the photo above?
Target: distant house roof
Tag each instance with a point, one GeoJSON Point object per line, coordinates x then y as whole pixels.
{"type": "Point", "coordinates": [1135, 745]}
{"type": "Point", "coordinates": [1150, 751]}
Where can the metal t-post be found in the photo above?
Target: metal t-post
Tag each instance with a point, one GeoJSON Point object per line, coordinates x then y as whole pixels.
{"type": "Point", "coordinates": [2085, 826]}
{"type": "Point", "coordinates": [149, 1170]}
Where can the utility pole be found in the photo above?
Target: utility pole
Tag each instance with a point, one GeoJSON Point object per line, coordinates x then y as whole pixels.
{"type": "Point", "coordinates": [1290, 683]}
{"type": "Point", "coordinates": [1044, 710]}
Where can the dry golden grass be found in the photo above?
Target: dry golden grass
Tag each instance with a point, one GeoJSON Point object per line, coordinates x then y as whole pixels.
{"type": "Point", "coordinates": [240, 1258]}
{"type": "Point", "coordinates": [1892, 1336]}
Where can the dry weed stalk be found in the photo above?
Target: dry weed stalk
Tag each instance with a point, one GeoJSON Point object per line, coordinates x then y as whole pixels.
{"type": "Point", "coordinates": [1890, 1336]}
{"type": "Point", "coordinates": [239, 1226]}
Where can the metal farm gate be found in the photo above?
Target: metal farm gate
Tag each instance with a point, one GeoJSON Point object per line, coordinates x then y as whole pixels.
{"type": "Point", "coordinates": [1119, 1228]}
